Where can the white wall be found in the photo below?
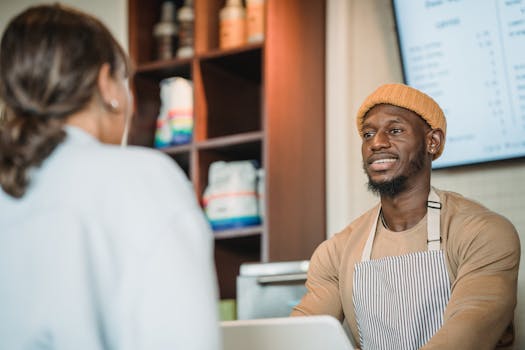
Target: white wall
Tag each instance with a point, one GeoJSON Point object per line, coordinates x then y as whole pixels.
{"type": "Point", "coordinates": [113, 13]}
{"type": "Point", "coordinates": [368, 57]}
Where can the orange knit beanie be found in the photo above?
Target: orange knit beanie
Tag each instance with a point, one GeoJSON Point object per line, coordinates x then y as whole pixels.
{"type": "Point", "coordinates": [407, 97]}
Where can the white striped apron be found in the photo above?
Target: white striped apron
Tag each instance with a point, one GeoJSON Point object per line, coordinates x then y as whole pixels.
{"type": "Point", "coordinates": [399, 301]}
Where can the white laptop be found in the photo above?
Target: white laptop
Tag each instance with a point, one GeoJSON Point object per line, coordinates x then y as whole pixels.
{"type": "Point", "coordinates": [286, 333]}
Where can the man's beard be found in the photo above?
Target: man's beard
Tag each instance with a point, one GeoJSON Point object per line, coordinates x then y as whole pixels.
{"type": "Point", "coordinates": [388, 188]}
{"type": "Point", "coordinates": [398, 184]}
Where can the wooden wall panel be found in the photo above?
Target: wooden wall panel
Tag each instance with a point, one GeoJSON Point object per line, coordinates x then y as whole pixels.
{"type": "Point", "coordinates": [295, 127]}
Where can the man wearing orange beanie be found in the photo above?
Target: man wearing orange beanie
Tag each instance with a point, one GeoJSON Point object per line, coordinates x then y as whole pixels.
{"type": "Point", "coordinates": [424, 268]}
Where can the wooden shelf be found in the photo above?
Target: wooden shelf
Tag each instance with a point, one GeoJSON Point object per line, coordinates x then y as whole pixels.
{"type": "Point", "coordinates": [240, 50]}
{"type": "Point", "coordinates": [262, 102]}
{"type": "Point", "coordinates": [231, 140]}
{"type": "Point", "coordinates": [182, 66]}
{"type": "Point", "coordinates": [166, 68]}
{"type": "Point", "coordinates": [164, 64]}
{"type": "Point", "coordinates": [238, 232]}
{"type": "Point", "coordinates": [245, 62]}
{"type": "Point", "coordinates": [179, 149]}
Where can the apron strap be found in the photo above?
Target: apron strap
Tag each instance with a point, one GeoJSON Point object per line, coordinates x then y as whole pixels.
{"type": "Point", "coordinates": [367, 251]}
{"type": "Point", "coordinates": [433, 223]}
{"type": "Point", "coordinates": [433, 226]}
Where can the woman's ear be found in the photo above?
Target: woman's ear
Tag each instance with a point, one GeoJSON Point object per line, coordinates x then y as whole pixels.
{"type": "Point", "coordinates": [107, 88]}
{"type": "Point", "coordinates": [434, 140]}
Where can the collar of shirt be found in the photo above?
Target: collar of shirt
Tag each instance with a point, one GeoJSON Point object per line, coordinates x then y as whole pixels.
{"type": "Point", "coordinates": [79, 136]}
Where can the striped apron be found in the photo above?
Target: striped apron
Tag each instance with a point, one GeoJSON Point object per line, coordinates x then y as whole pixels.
{"type": "Point", "coordinates": [399, 301]}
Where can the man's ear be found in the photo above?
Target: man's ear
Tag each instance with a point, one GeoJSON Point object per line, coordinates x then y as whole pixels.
{"type": "Point", "coordinates": [435, 138]}
{"type": "Point", "coordinates": [106, 86]}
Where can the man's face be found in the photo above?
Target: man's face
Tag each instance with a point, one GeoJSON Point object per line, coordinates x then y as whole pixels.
{"type": "Point", "coordinates": [394, 148]}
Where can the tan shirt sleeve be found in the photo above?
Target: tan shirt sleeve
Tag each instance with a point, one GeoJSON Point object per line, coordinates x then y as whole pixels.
{"type": "Point", "coordinates": [322, 296]}
{"type": "Point", "coordinates": [486, 252]}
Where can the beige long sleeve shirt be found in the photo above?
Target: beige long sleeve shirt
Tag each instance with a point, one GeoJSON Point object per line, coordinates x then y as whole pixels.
{"type": "Point", "coordinates": [482, 253]}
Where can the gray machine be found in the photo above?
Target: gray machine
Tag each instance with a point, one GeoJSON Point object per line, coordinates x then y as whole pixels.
{"type": "Point", "coordinates": [266, 290]}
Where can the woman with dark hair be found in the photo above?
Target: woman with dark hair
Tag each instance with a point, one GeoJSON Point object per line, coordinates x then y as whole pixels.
{"type": "Point", "coordinates": [101, 247]}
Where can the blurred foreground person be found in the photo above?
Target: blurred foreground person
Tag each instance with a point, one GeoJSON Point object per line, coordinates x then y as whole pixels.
{"type": "Point", "coordinates": [101, 247]}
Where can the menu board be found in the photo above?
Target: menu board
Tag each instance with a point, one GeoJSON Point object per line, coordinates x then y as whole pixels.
{"type": "Point", "coordinates": [469, 55]}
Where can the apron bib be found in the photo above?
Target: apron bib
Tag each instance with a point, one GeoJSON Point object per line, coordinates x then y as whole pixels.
{"type": "Point", "coordinates": [399, 301]}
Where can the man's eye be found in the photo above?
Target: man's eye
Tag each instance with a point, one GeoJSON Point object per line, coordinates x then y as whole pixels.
{"type": "Point", "coordinates": [367, 135]}
{"type": "Point", "coordinates": [396, 131]}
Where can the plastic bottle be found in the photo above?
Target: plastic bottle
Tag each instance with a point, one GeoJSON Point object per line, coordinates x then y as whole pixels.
{"type": "Point", "coordinates": [255, 18]}
{"type": "Point", "coordinates": [232, 25]}
{"type": "Point", "coordinates": [165, 32]}
{"type": "Point", "coordinates": [186, 19]}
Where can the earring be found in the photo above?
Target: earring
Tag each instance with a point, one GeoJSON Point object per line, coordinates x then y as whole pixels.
{"type": "Point", "coordinates": [113, 104]}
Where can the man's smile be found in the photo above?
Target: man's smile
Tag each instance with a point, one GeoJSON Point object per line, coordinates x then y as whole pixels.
{"type": "Point", "coordinates": [382, 162]}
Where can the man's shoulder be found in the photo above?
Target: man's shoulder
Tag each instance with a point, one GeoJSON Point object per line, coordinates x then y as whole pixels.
{"type": "Point", "coordinates": [458, 201]}
{"type": "Point", "coordinates": [459, 206]}
{"type": "Point", "coordinates": [472, 219]}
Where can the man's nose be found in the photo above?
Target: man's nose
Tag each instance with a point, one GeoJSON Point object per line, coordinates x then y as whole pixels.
{"type": "Point", "coordinates": [379, 140]}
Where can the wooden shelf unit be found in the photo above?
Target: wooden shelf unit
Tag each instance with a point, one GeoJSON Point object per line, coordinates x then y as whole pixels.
{"type": "Point", "coordinates": [262, 102]}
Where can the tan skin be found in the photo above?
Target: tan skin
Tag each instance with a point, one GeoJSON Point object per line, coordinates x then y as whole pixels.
{"type": "Point", "coordinates": [392, 138]}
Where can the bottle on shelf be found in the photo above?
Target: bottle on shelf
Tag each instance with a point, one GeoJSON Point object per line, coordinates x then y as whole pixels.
{"type": "Point", "coordinates": [232, 31]}
{"type": "Point", "coordinates": [186, 19]}
{"type": "Point", "coordinates": [165, 32]}
{"type": "Point", "coordinates": [255, 18]}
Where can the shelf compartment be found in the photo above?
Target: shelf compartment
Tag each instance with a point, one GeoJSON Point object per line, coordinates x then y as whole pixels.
{"type": "Point", "coordinates": [235, 60]}
{"type": "Point", "coordinates": [146, 81]}
{"type": "Point", "coordinates": [215, 151]}
{"type": "Point", "coordinates": [229, 255]}
{"type": "Point", "coordinates": [232, 89]}
{"type": "Point", "coordinates": [142, 17]}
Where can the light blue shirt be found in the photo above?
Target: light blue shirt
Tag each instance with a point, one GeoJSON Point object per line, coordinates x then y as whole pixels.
{"type": "Point", "coordinates": [107, 249]}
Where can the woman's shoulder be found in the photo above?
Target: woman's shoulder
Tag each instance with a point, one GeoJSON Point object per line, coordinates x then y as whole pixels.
{"type": "Point", "coordinates": [80, 148]}
{"type": "Point", "coordinates": [111, 169]}
{"type": "Point", "coordinates": [111, 160]}
{"type": "Point", "coordinates": [138, 157]}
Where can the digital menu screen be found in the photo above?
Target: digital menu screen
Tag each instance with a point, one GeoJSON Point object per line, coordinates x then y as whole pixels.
{"type": "Point", "coordinates": [469, 55]}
